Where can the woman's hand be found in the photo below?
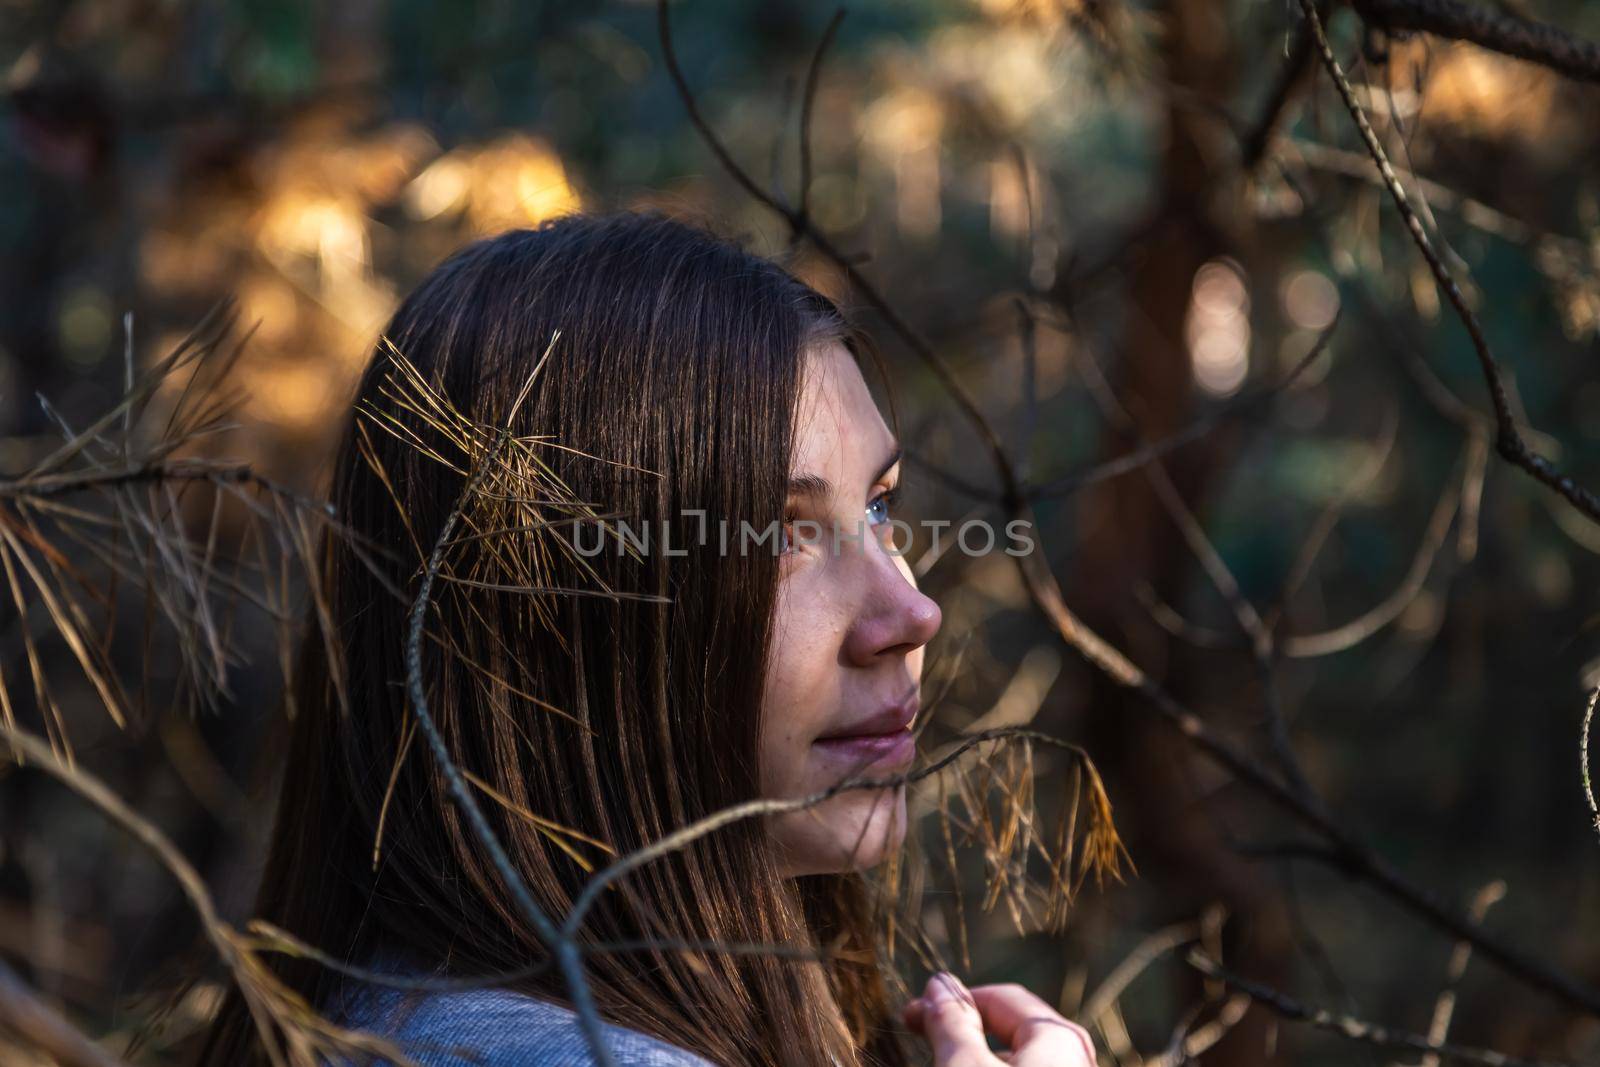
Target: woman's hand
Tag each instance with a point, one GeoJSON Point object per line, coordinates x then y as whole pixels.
{"type": "Point", "coordinates": [956, 1020]}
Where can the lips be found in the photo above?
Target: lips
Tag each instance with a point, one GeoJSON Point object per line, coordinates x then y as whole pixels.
{"type": "Point", "coordinates": [895, 719]}
{"type": "Point", "coordinates": [872, 750]}
{"type": "Point", "coordinates": [880, 739]}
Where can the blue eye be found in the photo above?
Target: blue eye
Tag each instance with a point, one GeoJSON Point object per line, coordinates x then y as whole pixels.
{"type": "Point", "coordinates": [878, 508]}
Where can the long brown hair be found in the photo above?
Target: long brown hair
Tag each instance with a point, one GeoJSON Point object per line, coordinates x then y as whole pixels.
{"type": "Point", "coordinates": [669, 391]}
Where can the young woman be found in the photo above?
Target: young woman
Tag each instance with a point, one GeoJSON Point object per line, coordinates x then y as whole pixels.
{"type": "Point", "coordinates": [600, 690]}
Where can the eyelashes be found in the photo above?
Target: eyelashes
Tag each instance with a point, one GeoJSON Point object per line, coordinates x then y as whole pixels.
{"type": "Point", "coordinates": [879, 510]}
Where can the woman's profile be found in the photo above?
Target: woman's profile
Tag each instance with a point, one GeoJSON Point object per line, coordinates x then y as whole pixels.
{"type": "Point", "coordinates": [629, 631]}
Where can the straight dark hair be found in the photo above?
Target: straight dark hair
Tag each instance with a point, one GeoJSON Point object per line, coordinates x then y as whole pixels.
{"type": "Point", "coordinates": [670, 389]}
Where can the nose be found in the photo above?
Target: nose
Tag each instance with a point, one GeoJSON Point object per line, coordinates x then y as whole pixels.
{"type": "Point", "coordinates": [894, 617]}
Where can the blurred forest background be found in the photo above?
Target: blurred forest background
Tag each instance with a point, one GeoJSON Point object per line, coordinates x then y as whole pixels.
{"type": "Point", "coordinates": [1114, 223]}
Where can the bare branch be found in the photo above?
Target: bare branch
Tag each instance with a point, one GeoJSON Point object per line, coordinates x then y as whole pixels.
{"type": "Point", "coordinates": [272, 1004]}
{"type": "Point", "coordinates": [1444, 1007]}
{"type": "Point", "coordinates": [807, 101]}
{"type": "Point", "coordinates": [1508, 441]}
{"type": "Point", "coordinates": [1583, 758]}
{"type": "Point", "coordinates": [25, 1017]}
{"type": "Point", "coordinates": [1499, 31]}
{"type": "Point", "coordinates": [564, 951]}
{"type": "Point", "coordinates": [1353, 1028]}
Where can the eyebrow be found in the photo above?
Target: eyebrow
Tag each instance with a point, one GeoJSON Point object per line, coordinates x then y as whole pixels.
{"type": "Point", "coordinates": [815, 485]}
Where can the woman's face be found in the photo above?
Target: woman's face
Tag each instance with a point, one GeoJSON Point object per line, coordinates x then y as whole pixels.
{"type": "Point", "coordinates": [843, 677]}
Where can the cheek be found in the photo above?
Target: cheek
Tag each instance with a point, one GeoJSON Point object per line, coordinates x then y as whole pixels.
{"type": "Point", "coordinates": [852, 831]}
{"type": "Point", "coordinates": [804, 691]}
{"type": "Point", "coordinates": [802, 688]}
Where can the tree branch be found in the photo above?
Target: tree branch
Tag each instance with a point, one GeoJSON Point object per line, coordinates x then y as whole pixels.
{"type": "Point", "coordinates": [1498, 31]}
{"type": "Point", "coordinates": [1351, 1027]}
{"type": "Point", "coordinates": [1508, 441]}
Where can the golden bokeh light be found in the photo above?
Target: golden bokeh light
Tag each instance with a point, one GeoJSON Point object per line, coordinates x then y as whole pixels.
{"type": "Point", "coordinates": [514, 181]}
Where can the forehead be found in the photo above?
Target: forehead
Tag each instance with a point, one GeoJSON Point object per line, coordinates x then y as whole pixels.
{"type": "Point", "coordinates": [838, 427]}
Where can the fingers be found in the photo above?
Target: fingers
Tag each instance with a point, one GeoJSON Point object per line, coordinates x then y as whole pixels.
{"type": "Point", "coordinates": [1035, 1032]}
{"type": "Point", "coordinates": [948, 1017]}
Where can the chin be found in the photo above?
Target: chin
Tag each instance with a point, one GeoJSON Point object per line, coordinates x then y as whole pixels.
{"type": "Point", "coordinates": [851, 832]}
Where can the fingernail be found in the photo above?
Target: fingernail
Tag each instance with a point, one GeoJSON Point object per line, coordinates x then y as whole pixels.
{"type": "Point", "coordinates": [944, 988]}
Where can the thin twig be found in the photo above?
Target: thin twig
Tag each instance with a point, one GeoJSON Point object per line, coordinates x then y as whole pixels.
{"type": "Point", "coordinates": [564, 950]}
{"type": "Point", "coordinates": [1351, 1027]}
{"type": "Point", "coordinates": [1583, 759]}
{"type": "Point", "coordinates": [800, 224]}
{"type": "Point", "coordinates": [765, 806]}
{"type": "Point", "coordinates": [23, 1015]}
{"type": "Point", "coordinates": [1148, 452]}
{"type": "Point", "coordinates": [1444, 1006]}
{"type": "Point", "coordinates": [257, 984]}
{"type": "Point", "coordinates": [1508, 441]}
{"type": "Point", "coordinates": [807, 101]}
{"type": "Point", "coordinates": [1134, 964]}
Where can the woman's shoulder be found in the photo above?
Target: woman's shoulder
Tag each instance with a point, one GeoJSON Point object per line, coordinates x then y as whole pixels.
{"type": "Point", "coordinates": [496, 1028]}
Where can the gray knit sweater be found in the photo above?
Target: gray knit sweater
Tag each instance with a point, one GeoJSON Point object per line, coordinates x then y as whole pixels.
{"type": "Point", "coordinates": [496, 1028]}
